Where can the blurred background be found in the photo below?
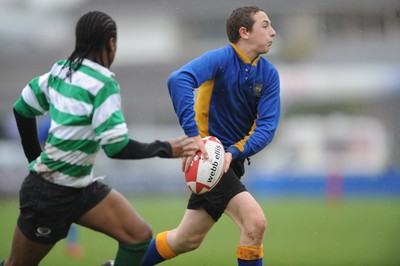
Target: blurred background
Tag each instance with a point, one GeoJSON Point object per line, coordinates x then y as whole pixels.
{"type": "Point", "coordinates": [339, 64]}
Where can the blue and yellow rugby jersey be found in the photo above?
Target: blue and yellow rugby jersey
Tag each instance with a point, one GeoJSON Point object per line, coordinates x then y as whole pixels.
{"type": "Point", "coordinates": [238, 101]}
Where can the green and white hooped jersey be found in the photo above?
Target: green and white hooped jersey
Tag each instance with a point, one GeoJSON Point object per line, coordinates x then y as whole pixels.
{"type": "Point", "coordinates": [85, 113]}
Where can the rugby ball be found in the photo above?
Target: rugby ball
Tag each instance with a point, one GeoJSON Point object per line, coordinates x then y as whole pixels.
{"type": "Point", "coordinates": [203, 175]}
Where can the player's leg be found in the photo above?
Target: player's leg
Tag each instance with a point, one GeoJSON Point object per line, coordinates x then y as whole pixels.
{"type": "Point", "coordinates": [186, 237]}
{"type": "Point", "coordinates": [190, 232]}
{"type": "Point", "coordinates": [249, 217]}
{"type": "Point", "coordinates": [25, 252]}
{"type": "Point", "coordinates": [203, 212]}
{"type": "Point", "coordinates": [116, 217]}
{"type": "Point", "coordinates": [40, 222]}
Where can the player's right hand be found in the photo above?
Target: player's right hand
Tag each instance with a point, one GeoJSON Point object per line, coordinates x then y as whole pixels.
{"type": "Point", "coordinates": [187, 160]}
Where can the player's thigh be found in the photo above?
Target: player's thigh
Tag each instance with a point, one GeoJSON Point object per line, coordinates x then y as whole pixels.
{"type": "Point", "coordinates": [116, 217]}
{"type": "Point", "coordinates": [25, 252]}
{"type": "Point", "coordinates": [245, 211]}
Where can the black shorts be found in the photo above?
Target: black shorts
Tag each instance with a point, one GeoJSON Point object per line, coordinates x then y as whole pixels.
{"type": "Point", "coordinates": [47, 210]}
{"type": "Point", "coordinates": [215, 201]}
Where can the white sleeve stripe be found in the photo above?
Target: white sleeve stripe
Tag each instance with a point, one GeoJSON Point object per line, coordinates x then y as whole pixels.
{"type": "Point", "coordinates": [106, 109]}
{"type": "Point", "coordinates": [44, 85]}
{"type": "Point", "coordinates": [114, 135]}
{"type": "Point", "coordinates": [30, 98]}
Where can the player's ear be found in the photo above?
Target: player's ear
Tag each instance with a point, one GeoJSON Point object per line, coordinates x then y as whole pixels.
{"type": "Point", "coordinates": [112, 44]}
{"type": "Point", "coordinates": [244, 33]}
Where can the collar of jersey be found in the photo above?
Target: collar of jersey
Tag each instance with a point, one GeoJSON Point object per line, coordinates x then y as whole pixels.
{"type": "Point", "coordinates": [243, 57]}
{"type": "Point", "coordinates": [103, 70]}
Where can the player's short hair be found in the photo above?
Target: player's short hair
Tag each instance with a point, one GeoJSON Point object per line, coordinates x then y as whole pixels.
{"type": "Point", "coordinates": [240, 17]}
{"type": "Point", "coordinates": [93, 30]}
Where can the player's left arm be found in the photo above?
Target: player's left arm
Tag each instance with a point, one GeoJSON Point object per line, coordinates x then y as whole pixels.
{"type": "Point", "coordinates": [112, 132]}
{"type": "Point", "coordinates": [173, 148]}
{"type": "Point", "coordinates": [266, 123]}
{"type": "Point", "coordinates": [268, 117]}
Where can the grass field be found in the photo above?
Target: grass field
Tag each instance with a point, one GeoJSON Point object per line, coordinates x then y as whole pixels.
{"type": "Point", "coordinates": [301, 231]}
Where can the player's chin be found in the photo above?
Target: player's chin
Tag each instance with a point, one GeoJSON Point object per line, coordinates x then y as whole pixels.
{"type": "Point", "coordinates": [263, 51]}
{"type": "Point", "coordinates": [266, 49]}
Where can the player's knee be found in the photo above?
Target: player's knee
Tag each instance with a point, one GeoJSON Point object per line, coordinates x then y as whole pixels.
{"type": "Point", "coordinates": [256, 226]}
{"type": "Point", "coordinates": [145, 234]}
{"type": "Point", "coordinates": [261, 224]}
{"type": "Point", "coordinates": [138, 234]}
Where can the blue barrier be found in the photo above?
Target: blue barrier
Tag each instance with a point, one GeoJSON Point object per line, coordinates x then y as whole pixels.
{"type": "Point", "coordinates": [384, 185]}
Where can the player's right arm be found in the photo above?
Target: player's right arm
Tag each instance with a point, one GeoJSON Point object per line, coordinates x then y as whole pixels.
{"type": "Point", "coordinates": [32, 102]}
{"type": "Point", "coordinates": [29, 138]}
{"type": "Point", "coordinates": [182, 83]}
{"type": "Point", "coordinates": [181, 86]}
{"type": "Point", "coordinates": [199, 145]}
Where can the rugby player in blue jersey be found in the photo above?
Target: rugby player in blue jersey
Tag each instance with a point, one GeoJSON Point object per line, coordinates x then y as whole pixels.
{"type": "Point", "coordinates": [238, 102]}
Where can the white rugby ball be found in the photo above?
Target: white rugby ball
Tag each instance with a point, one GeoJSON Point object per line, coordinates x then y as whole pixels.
{"type": "Point", "coordinates": [203, 175]}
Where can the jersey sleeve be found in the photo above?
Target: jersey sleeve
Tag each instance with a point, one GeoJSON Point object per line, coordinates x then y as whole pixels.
{"type": "Point", "coordinates": [33, 100]}
{"type": "Point", "coordinates": [182, 83]}
{"type": "Point", "coordinates": [108, 120]}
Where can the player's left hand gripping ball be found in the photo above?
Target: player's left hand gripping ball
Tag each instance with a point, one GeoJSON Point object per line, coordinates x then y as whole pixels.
{"type": "Point", "coordinates": [203, 175]}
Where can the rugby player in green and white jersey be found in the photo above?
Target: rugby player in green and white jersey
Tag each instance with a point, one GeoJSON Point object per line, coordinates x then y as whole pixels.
{"type": "Point", "coordinates": [83, 100]}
